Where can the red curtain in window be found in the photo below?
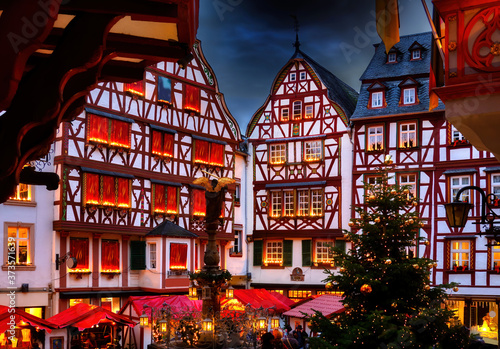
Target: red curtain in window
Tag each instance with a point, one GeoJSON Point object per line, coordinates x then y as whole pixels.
{"type": "Point", "coordinates": [168, 145]}
{"type": "Point", "coordinates": [216, 154]}
{"type": "Point", "coordinates": [79, 248]}
{"type": "Point", "coordinates": [192, 101]}
{"type": "Point", "coordinates": [110, 255]}
{"type": "Point", "coordinates": [108, 191]}
{"type": "Point", "coordinates": [159, 198]}
{"type": "Point", "coordinates": [136, 88]}
{"type": "Point", "coordinates": [120, 131]}
{"type": "Point", "coordinates": [178, 256]}
{"type": "Point", "coordinates": [172, 200]}
{"type": "Point", "coordinates": [123, 192]}
{"type": "Point", "coordinates": [91, 188]}
{"type": "Point", "coordinates": [199, 207]}
{"type": "Point", "coordinates": [156, 146]}
{"type": "Point", "coordinates": [97, 129]}
{"type": "Point", "coordinates": [202, 151]}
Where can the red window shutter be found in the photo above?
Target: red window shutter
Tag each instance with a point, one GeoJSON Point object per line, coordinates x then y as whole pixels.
{"type": "Point", "coordinates": [168, 149]}
{"type": "Point", "coordinates": [172, 200]}
{"type": "Point", "coordinates": [159, 202]}
{"type": "Point", "coordinates": [110, 255]}
{"type": "Point", "coordinates": [202, 151]}
{"type": "Point", "coordinates": [135, 88]}
{"type": "Point", "coordinates": [91, 189]}
{"type": "Point", "coordinates": [217, 154]}
{"type": "Point", "coordinates": [199, 206]}
{"type": "Point", "coordinates": [79, 248]}
{"type": "Point", "coordinates": [178, 256]}
{"type": "Point", "coordinates": [97, 129]}
{"type": "Point", "coordinates": [192, 101]}
{"type": "Point", "coordinates": [123, 192]}
{"type": "Point", "coordinates": [156, 146]}
{"type": "Point", "coordinates": [108, 191]}
{"type": "Point", "coordinates": [120, 133]}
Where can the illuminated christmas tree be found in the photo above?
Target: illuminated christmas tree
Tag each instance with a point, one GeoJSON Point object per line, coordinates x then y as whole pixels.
{"type": "Point", "coordinates": [387, 294]}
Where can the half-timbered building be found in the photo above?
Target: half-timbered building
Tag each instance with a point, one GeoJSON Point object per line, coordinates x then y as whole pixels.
{"type": "Point", "coordinates": [126, 208]}
{"type": "Point", "coordinates": [301, 163]}
{"type": "Point", "coordinates": [393, 117]}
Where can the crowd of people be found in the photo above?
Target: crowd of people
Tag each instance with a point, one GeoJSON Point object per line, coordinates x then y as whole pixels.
{"type": "Point", "coordinates": [296, 339]}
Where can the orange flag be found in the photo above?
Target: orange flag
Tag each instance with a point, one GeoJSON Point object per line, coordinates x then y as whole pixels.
{"type": "Point", "coordinates": [387, 22]}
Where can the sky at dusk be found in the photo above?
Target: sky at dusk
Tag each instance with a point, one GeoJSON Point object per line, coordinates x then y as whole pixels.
{"type": "Point", "coordinates": [247, 42]}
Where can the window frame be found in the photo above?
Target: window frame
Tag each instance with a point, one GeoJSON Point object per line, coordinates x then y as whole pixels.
{"type": "Point", "coordinates": [408, 133]}
{"type": "Point", "coordinates": [379, 133]}
{"type": "Point", "coordinates": [237, 249]}
{"type": "Point", "coordinates": [330, 243]}
{"type": "Point", "coordinates": [392, 57]}
{"type": "Point", "coordinates": [313, 146]}
{"type": "Point", "coordinates": [309, 111]}
{"type": "Point", "coordinates": [276, 204]}
{"type": "Point", "coordinates": [454, 188]}
{"type": "Point", "coordinates": [302, 75]}
{"type": "Point", "coordinates": [278, 156]}
{"type": "Point", "coordinates": [163, 154]}
{"type": "Point", "coordinates": [297, 110]}
{"type": "Point", "coordinates": [411, 99]}
{"type": "Point", "coordinates": [493, 263]}
{"type": "Point", "coordinates": [8, 263]}
{"type": "Point", "coordinates": [460, 252]}
{"type": "Point", "coordinates": [149, 253]}
{"type": "Point", "coordinates": [414, 190]}
{"type": "Point", "coordinates": [293, 77]}
{"type": "Point", "coordinates": [277, 260]}
{"type": "Point", "coordinates": [494, 188]}
{"type": "Point", "coordinates": [416, 54]}
{"type": "Point", "coordinates": [109, 131]}
{"type": "Point", "coordinates": [374, 94]}
{"type": "Point", "coordinates": [283, 111]}
{"type": "Point", "coordinates": [117, 204]}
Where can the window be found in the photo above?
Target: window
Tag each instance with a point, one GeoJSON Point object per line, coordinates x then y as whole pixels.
{"type": "Point", "coordinates": [408, 135]}
{"type": "Point", "coordinates": [324, 254]}
{"type": "Point", "coordinates": [19, 249]}
{"type": "Point", "coordinates": [495, 257]}
{"type": "Point", "coordinates": [299, 293]}
{"type": "Point", "coordinates": [275, 204]}
{"type": "Point", "coordinates": [237, 194]}
{"type": "Point", "coordinates": [199, 202]}
{"type": "Point", "coordinates": [409, 179]}
{"type": "Point", "coordinates": [372, 181]}
{"type": "Point", "coordinates": [415, 54]}
{"type": "Point", "coordinates": [288, 202]}
{"type": "Point", "coordinates": [178, 256]}
{"type": "Point", "coordinates": [208, 153]}
{"type": "Point", "coordinates": [313, 150]}
{"type": "Point", "coordinates": [495, 185]}
{"type": "Point", "coordinates": [375, 138]}
{"type": "Point", "coordinates": [162, 143]}
{"type": "Point", "coordinates": [111, 304]}
{"type": "Point", "coordinates": [293, 77]}
{"type": "Point", "coordinates": [302, 75]}
{"type": "Point", "coordinates": [112, 132]}
{"type": "Point", "coordinates": [274, 253]}
{"type": "Point", "coordinates": [23, 193]}
{"type": "Point", "coordinates": [316, 202]}
{"type": "Point", "coordinates": [152, 255]}
{"type": "Point", "coordinates": [134, 88]}
{"type": "Point", "coordinates": [285, 114]}
{"type": "Point", "coordinates": [409, 95]}
{"type": "Point", "coordinates": [377, 99]}
{"type": "Point", "coordinates": [460, 255]}
{"type": "Point", "coordinates": [110, 256]}
{"type": "Point", "coordinates": [237, 242]}
{"type": "Point", "coordinates": [309, 111]}
{"type": "Point", "coordinates": [192, 98]}
{"type": "Point", "coordinates": [164, 199]}
{"type": "Point", "coordinates": [391, 57]}
{"type": "Point", "coordinates": [456, 183]}
{"type": "Point", "coordinates": [79, 248]}
{"type": "Point", "coordinates": [297, 110]}
{"type": "Point", "coordinates": [456, 137]}
{"type": "Point", "coordinates": [164, 90]}
{"type": "Point", "coordinates": [277, 153]}
{"type": "Point", "coordinates": [303, 202]}
{"type": "Point", "coordinates": [104, 190]}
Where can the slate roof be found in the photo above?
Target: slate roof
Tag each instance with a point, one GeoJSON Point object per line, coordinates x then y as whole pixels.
{"type": "Point", "coordinates": [167, 228]}
{"type": "Point", "coordinates": [338, 91]}
{"type": "Point", "coordinates": [392, 74]}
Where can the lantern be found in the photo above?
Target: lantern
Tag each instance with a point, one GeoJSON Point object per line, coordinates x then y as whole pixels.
{"type": "Point", "coordinates": [206, 293]}
{"type": "Point", "coordinates": [207, 325]}
{"type": "Point", "coordinates": [261, 323]}
{"type": "Point", "coordinates": [163, 325]}
{"type": "Point", "coordinates": [275, 322]}
{"type": "Point", "coordinates": [144, 319]}
{"type": "Point", "coordinates": [230, 292]}
{"type": "Point", "coordinates": [456, 213]}
{"type": "Point", "coordinates": [193, 292]}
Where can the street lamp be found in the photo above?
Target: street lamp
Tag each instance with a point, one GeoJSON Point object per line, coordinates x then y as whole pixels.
{"type": "Point", "coordinates": [144, 319]}
{"type": "Point", "coordinates": [457, 212]}
{"type": "Point", "coordinates": [230, 292]}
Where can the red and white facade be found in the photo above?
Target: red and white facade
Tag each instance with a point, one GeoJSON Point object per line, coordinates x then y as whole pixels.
{"type": "Point", "coordinates": [301, 162]}
{"type": "Point", "coordinates": [127, 164]}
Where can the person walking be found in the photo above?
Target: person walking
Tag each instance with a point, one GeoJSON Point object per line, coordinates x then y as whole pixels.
{"type": "Point", "coordinates": [300, 336]}
{"type": "Point", "coordinates": [289, 342]}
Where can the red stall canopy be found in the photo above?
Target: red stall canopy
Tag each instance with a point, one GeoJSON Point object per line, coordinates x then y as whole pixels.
{"type": "Point", "coordinates": [85, 316]}
{"type": "Point", "coordinates": [177, 303]}
{"type": "Point", "coordinates": [283, 298]}
{"type": "Point", "coordinates": [22, 316]}
{"type": "Point", "coordinates": [257, 298]}
{"type": "Point", "coordinates": [327, 304]}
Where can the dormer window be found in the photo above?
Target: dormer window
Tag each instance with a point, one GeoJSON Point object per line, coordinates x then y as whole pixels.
{"type": "Point", "coordinates": [377, 95]}
{"type": "Point", "coordinates": [408, 92]}
{"type": "Point", "coordinates": [415, 54]}
{"type": "Point", "coordinates": [409, 95]}
{"type": "Point", "coordinates": [377, 99]}
{"type": "Point", "coordinates": [416, 51]}
{"type": "Point", "coordinates": [391, 57]}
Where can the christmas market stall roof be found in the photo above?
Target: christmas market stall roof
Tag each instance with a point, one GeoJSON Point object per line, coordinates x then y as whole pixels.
{"type": "Point", "coordinates": [256, 298]}
{"type": "Point", "coordinates": [22, 316]}
{"type": "Point", "coordinates": [326, 304]}
{"type": "Point", "coordinates": [178, 304]}
{"type": "Point", "coordinates": [85, 316]}
{"type": "Point", "coordinates": [283, 298]}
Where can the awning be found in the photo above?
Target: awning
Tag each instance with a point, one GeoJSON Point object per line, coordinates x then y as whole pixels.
{"type": "Point", "coordinates": [85, 316]}
{"type": "Point", "coordinates": [326, 304]}
{"type": "Point", "coordinates": [257, 298]}
{"type": "Point", "coordinates": [22, 316]}
{"type": "Point", "coordinates": [283, 298]}
{"type": "Point", "coordinates": [177, 304]}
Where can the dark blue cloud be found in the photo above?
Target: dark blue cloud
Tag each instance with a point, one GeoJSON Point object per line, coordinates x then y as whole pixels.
{"type": "Point", "coordinates": [247, 42]}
